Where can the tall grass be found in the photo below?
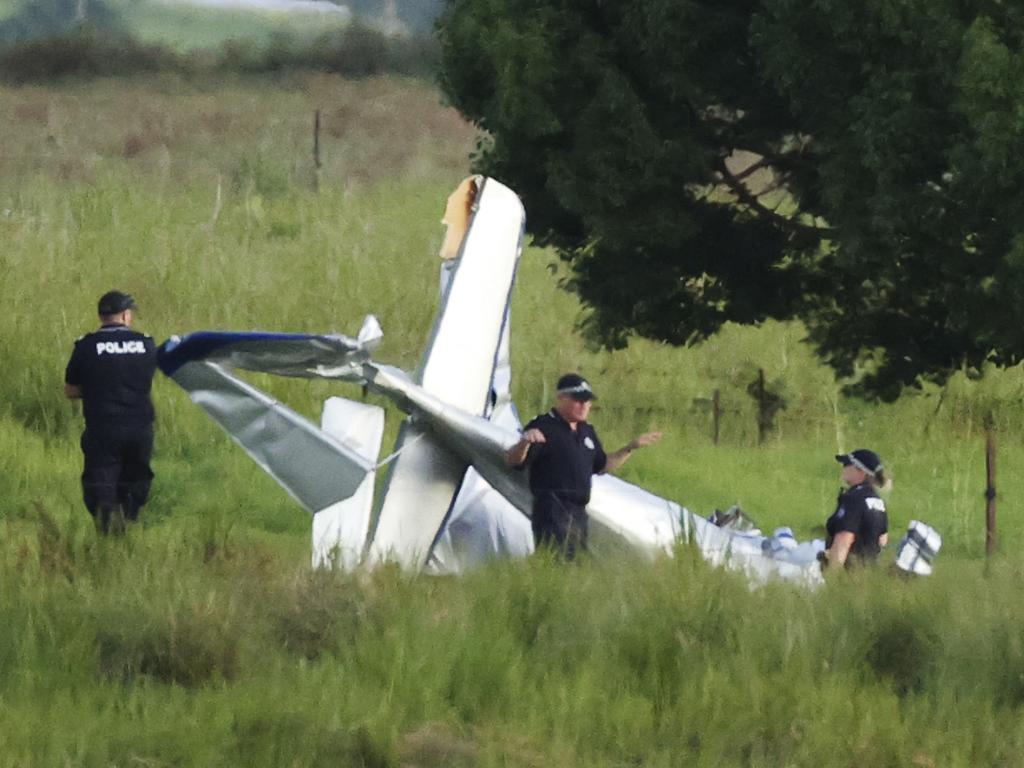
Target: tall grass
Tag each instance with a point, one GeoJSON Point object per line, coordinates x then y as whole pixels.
{"type": "Point", "coordinates": [202, 638]}
{"type": "Point", "coordinates": [156, 653]}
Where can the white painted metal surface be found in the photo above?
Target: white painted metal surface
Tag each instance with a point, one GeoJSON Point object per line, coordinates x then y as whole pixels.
{"type": "Point", "coordinates": [340, 531]}
{"type": "Point", "coordinates": [314, 467]}
{"type": "Point", "coordinates": [457, 371]}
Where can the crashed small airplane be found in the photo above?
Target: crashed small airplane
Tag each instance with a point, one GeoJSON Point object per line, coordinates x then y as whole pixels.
{"type": "Point", "coordinates": [449, 500]}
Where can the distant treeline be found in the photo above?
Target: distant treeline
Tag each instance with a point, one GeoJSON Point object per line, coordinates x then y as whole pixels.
{"type": "Point", "coordinates": [36, 19]}
{"type": "Point", "coordinates": [87, 51]}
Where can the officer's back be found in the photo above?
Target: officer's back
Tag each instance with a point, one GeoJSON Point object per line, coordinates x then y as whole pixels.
{"type": "Point", "coordinates": [111, 371]}
{"type": "Point", "coordinates": [113, 368]}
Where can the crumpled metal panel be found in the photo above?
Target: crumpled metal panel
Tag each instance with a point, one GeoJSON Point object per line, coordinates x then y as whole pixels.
{"type": "Point", "coordinates": [623, 515]}
{"type": "Point", "coordinates": [753, 555]}
{"type": "Point", "coordinates": [283, 354]}
{"type": "Point", "coordinates": [315, 468]}
{"type": "Point", "coordinates": [340, 531]}
{"type": "Point", "coordinates": [473, 439]}
{"type": "Point", "coordinates": [483, 524]}
{"type": "Point", "coordinates": [421, 485]}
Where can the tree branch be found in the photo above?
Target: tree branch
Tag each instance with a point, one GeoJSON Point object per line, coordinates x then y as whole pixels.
{"type": "Point", "coordinates": [751, 169]}
{"type": "Point", "coordinates": [804, 231]}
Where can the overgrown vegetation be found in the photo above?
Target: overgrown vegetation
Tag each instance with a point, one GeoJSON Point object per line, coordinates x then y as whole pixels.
{"type": "Point", "coordinates": [354, 51]}
{"type": "Point", "coordinates": [203, 639]}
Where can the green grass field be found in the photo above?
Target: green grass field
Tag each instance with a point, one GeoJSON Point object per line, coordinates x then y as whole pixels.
{"type": "Point", "coordinates": [203, 638]}
{"type": "Point", "coordinates": [184, 28]}
{"type": "Point", "coordinates": [187, 28]}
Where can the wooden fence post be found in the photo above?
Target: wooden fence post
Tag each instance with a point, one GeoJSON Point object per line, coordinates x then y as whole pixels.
{"type": "Point", "coordinates": [762, 426]}
{"type": "Point", "coordinates": [990, 491]}
{"type": "Point", "coordinates": [716, 412]}
{"type": "Point", "coordinates": [316, 151]}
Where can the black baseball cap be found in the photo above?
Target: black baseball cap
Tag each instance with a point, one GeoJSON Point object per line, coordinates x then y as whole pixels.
{"type": "Point", "coordinates": [862, 459]}
{"type": "Point", "coordinates": [576, 387]}
{"type": "Point", "coordinates": [115, 302]}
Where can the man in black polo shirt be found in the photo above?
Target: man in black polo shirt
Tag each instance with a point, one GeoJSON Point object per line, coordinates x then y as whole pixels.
{"type": "Point", "coordinates": [111, 371]}
{"type": "Point", "coordinates": [563, 452]}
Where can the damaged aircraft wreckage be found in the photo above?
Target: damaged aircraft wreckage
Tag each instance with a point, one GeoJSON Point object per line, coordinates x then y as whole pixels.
{"type": "Point", "coordinates": [449, 500]}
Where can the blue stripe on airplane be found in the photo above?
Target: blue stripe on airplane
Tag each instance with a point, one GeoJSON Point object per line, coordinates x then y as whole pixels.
{"type": "Point", "coordinates": [173, 354]}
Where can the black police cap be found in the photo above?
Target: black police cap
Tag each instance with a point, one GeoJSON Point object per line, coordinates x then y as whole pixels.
{"type": "Point", "coordinates": [576, 387]}
{"type": "Point", "coordinates": [862, 459]}
{"type": "Point", "coordinates": [115, 302]}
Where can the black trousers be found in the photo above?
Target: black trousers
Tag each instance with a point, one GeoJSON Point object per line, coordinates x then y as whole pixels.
{"type": "Point", "coordinates": [116, 472]}
{"type": "Point", "coordinates": [559, 524]}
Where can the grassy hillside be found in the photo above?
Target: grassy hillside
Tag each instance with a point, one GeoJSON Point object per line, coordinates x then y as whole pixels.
{"type": "Point", "coordinates": [184, 28]}
{"type": "Point", "coordinates": [203, 639]}
{"type": "Point", "coordinates": [181, 27]}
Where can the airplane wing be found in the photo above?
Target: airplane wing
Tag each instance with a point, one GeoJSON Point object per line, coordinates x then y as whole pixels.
{"type": "Point", "coordinates": [285, 354]}
{"type": "Point", "coordinates": [621, 512]}
{"type": "Point", "coordinates": [317, 469]}
{"type": "Point", "coordinates": [483, 523]}
{"type": "Point", "coordinates": [458, 369]}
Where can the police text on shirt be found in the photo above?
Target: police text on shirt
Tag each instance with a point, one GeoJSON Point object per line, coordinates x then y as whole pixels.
{"type": "Point", "coordinates": [120, 348]}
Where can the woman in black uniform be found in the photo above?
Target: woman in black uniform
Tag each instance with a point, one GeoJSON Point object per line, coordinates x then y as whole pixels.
{"type": "Point", "coordinates": [859, 527]}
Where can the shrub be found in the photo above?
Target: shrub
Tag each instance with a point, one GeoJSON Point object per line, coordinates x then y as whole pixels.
{"type": "Point", "coordinates": [257, 174]}
{"type": "Point", "coordinates": [901, 651]}
{"type": "Point", "coordinates": [187, 646]}
{"type": "Point", "coordinates": [357, 51]}
{"type": "Point", "coordinates": [83, 52]}
{"type": "Point", "coordinates": [318, 613]}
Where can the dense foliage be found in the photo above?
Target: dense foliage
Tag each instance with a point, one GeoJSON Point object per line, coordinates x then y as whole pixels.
{"type": "Point", "coordinates": [700, 161]}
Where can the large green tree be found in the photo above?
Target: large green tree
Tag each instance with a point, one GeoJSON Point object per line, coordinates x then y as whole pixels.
{"type": "Point", "coordinates": [858, 166]}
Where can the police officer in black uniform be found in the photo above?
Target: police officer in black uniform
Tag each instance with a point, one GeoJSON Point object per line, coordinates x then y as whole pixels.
{"type": "Point", "coordinates": [563, 452]}
{"type": "Point", "coordinates": [859, 527]}
{"type": "Point", "coordinates": [111, 371]}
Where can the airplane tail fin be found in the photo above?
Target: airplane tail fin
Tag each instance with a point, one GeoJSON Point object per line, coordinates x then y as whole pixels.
{"type": "Point", "coordinates": [486, 222]}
